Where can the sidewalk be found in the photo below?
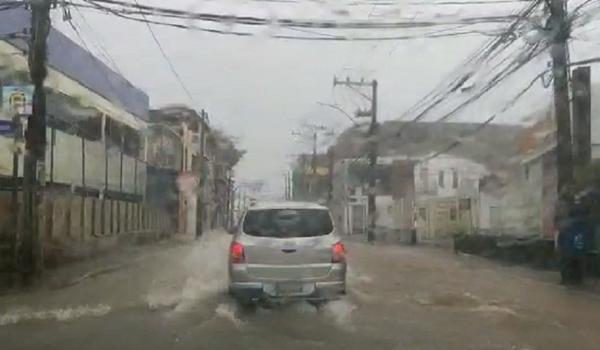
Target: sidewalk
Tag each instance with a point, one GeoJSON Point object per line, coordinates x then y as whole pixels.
{"type": "Point", "coordinates": [149, 277]}
{"type": "Point", "coordinates": [69, 274]}
{"type": "Point", "coordinates": [542, 273]}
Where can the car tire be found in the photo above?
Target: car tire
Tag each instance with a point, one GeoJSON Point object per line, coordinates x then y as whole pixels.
{"type": "Point", "coordinates": [318, 304]}
{"type": "Point", "coordinates": [246, 306]}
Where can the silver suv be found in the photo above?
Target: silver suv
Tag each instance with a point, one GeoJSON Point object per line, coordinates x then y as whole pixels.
{"type": "Point", "coordinates": [286, 251]}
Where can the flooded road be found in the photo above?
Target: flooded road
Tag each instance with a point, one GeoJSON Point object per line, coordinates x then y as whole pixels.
{"type": "Point", "coordinates": [173, 296]}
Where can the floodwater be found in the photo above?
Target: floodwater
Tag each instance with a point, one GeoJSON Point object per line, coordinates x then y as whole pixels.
{"type": "Point", "coordinates": [173, 295]}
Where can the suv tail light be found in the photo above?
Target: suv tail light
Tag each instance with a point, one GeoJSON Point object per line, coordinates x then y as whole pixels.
{"type": "Point", "coordinates": [339, 253]}
{"type": "Point", "coordinates": [236, 253]}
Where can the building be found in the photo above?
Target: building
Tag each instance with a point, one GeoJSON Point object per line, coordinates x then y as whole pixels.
{"type": "Point", "coordinates": [417, 184]}
{"type": "Point", "coordinates": [95, 193]}
{"type": "Point", "coordinates": [395, 194]}
{"type": "Point", "coordinates": [311, 177]}
{"type": "Point", "coordinates": [222, 155]}
{"type": "Point", "coordinates": [448, 199]}
{"type": "Point", "coordinates": [176, 142]}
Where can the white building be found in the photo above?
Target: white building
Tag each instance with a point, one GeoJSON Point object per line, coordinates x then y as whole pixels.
{"type": "Point", "coordinates": [447, 196]}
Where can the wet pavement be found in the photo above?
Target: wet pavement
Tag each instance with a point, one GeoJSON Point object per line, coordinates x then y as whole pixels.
{"type": "Point", "coordinates": [173, 296]}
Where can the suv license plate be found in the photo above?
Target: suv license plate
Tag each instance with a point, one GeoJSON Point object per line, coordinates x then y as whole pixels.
{"type": "Point", "coordinates": [289, 288]}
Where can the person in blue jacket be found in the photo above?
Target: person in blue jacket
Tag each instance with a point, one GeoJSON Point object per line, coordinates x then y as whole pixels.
{"type": "Point", "coordinates": [574, 243]}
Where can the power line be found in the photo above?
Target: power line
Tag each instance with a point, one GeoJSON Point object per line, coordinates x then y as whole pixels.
{"type": "Point", "coordinates": [498, 78]}
{"type": "Point", "coordinates": [166, 57]}
{"type": "Point", "coordinates": [477, 59]}
{"type": "Point", "coordinates": [152, 11]}
{"type": "Point", "coordinates": [488, 121]}
{"type": "Point", "coordinates": [98, 44]}
{"type": "Point", "coordinates": [317, 36]}
{"type": "Point", "coordinates": [480, 56]}
{"type": "Point", "coordinates": [339, 109]}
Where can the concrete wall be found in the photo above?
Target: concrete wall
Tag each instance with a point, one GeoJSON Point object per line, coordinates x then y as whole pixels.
{"type": "Point", "coordinates": [79, 227]}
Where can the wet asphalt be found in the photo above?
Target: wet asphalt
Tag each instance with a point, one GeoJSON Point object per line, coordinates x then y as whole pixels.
{"type": "Point", "coordinates": [173, 296]}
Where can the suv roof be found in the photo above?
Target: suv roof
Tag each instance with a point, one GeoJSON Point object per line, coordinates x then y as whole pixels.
{"type": "Point", "coordinates": [286, 205]}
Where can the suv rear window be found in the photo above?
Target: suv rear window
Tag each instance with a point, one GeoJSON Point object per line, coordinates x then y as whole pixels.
{"type": "Point", "coordinates": [287, 223]}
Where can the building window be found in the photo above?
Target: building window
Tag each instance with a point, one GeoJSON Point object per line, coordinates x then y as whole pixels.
{"type": "Point", "coordinates": [452, 214]}
{"type": "Point", "coordinates": [526, 171]}
{"type": "Point", "coordinates": [454, 179]}
{"type": "Point", "coordinates": [423, 214]}
{"type": "Point", "coordinates": [441, 178]}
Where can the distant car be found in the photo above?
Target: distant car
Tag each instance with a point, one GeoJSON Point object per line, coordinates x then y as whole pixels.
{"type": "Point", "coordinates": [286, 251]}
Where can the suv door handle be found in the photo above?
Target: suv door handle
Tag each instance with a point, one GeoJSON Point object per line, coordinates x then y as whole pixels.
{"type": "Point", "coordinates": [288, 250]}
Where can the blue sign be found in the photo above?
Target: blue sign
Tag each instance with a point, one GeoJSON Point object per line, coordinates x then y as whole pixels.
{"type": "Point", "coordinates": [7, 127]}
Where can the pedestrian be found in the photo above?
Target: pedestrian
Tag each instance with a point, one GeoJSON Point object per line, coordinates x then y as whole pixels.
{"type": "Point", "coordinates": [574, 242]}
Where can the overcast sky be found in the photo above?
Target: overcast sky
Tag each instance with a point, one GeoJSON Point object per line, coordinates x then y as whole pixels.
{"type": "Point", "coordinates": [260, 89]}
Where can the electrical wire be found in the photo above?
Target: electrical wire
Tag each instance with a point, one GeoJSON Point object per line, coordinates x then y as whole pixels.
{"type": "Point", "coordinates": [126, 8]}
{"type": "Point", "coordinates": [169, 62]}
{"type": "Point", "coordinates": [488, 121]}
{"type": "Point", "coordinates": [322, 36]}
{"type": "Point", "coordinates": [478, 57]}
{"type": "Point", "coordinates": [99, 44]}
{"type": "Point", "coordinates": [494, 46]}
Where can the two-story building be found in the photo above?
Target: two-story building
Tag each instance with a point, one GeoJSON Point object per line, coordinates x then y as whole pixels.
{"type": "Point", "coordinates": [447, 196]}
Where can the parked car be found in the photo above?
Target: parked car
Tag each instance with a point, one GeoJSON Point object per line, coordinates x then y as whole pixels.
{"type": "Point", "coordinates": [284, 251]}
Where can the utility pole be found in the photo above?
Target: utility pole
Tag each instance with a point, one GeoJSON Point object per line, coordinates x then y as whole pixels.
{"type": "Point", "coordinates": [582, 109]}
{"type": "Point", "coordinates": [315, 130]}
{"type": "Point", "coordinates": [559, 26]}
{"type": "Point", "coordinates": [229, 199]}
{"type": "Point", "coordinates": [287, 186]}
{"type": "Point", "coordinates": [373, 153]}
{"type": "Point", "coordinates": [313, 180]}
{"type": "Point", "coordinates": [35, 141]}
{"type": "Point", "coordinates": [202, 179]}
{"type": "Point", "coordinates": [330, 166]}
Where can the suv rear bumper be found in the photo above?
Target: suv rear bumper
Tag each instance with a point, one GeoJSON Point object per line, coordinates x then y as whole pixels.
{"type": "Point", "coordinates": [255, 291]}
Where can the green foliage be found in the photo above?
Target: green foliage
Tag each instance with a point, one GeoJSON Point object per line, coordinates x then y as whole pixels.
{"type": "Point", "coordinates": [225, 148]}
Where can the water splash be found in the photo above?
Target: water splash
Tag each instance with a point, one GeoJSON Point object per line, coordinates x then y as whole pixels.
{"type": "Point", "coordinates": [341, 313]}
{"type": "Point", "coordinates": [203, 274]}
{"type": "Point", "coordinates": [60, 314]}
{"type": "Point", "coordinates": [228, 312]}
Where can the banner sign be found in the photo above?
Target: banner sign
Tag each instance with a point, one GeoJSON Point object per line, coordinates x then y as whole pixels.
{"type": "Point", "coordinates": [17, 99]}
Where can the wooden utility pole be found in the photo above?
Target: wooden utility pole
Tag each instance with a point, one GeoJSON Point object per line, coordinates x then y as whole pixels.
{"type": "Point", "coordinates": [330, 166]}
{"type": "Point", "coordinates": [582, 109]}
{"type": "Point", "coordinates": [313, 179]}
{"type": "Point", "coordinates": [373, 146]}
{"type": "Point", "coordinates": [286, 186]}
{"type": "Point", "coordinates": [202, 176]}
{"type": "Point", "coordinates": [559, 26]}
{"type": "Point", "coordinates": [35, 141]}
{"type": "Point", "coordinates": [229, 199]}
{"type": "Point", "coordinates": [315, 130]}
